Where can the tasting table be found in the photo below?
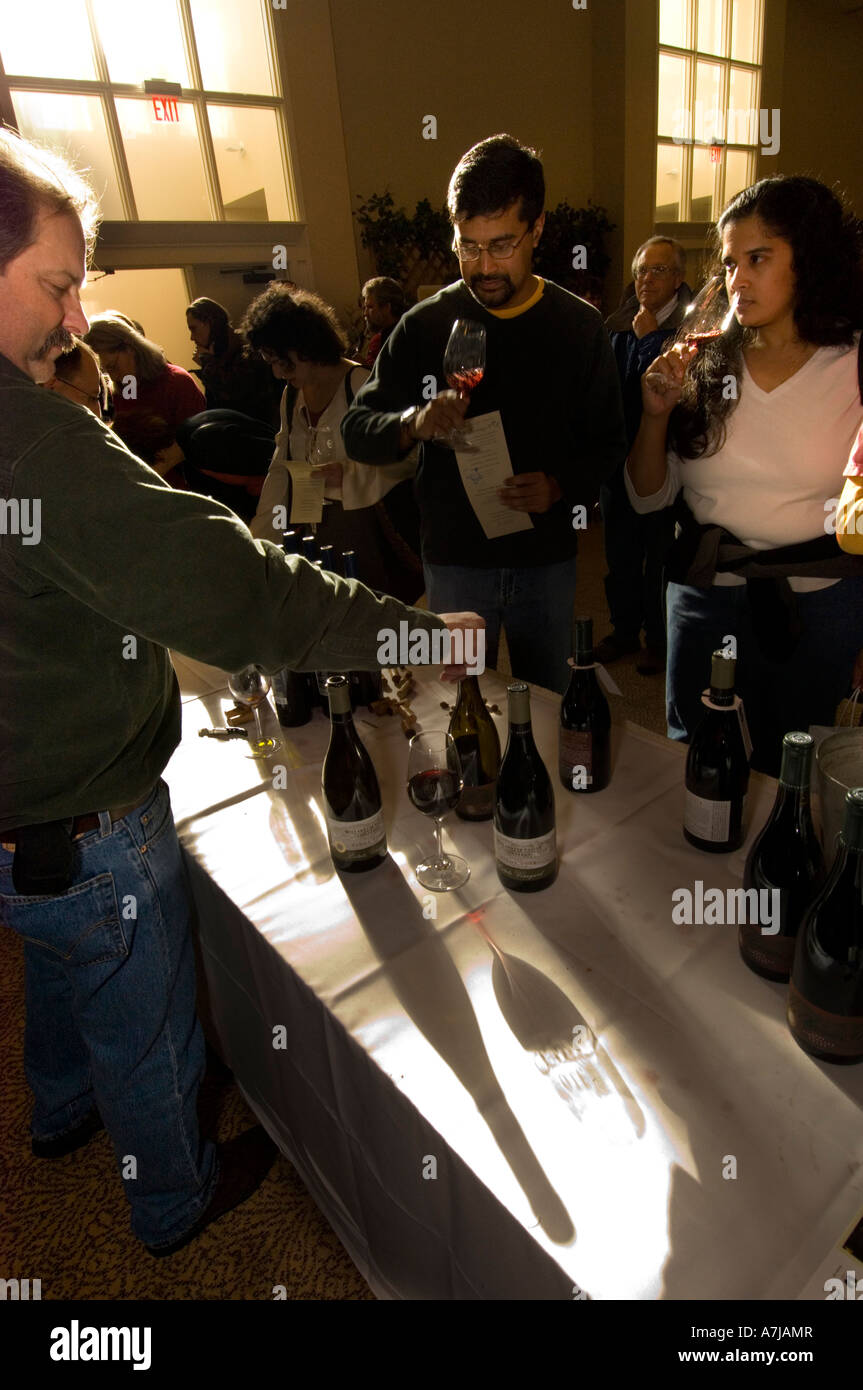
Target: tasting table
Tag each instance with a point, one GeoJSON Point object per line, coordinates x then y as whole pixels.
{"type": "Point", "coordinates": [494, 1095]}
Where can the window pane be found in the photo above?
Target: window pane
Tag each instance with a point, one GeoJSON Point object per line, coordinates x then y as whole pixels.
{"type": "Point", "coordinates": [141, 41]}
{"type": "Point", "coordinates": [703, 177]}
{"type": "Point", "coordinates": [736, 172]}
{"type": "Point", "coordinates": [249, 162]}
{"type": "Point", "coordinates": [673, 118]}
{"type": "Point", "coordinates": [708, 106]}
{"type": "Point", "coordinates": [56, 44]}
{"type": "Point", "coordinates": [669, 162]}
{"type": "Point", "coordinates": [672, 22]}
{"type": "Point", "coordinates": [233, 46]}
{"type": "Point", "coordinates": [742, 115]}
{"type": "Point", "coordinates": [75, 124]}
{"type": "Point", "coordinates": [164, 158]}
{"type": "Point", "coordinates": [745, 31]}
{"type": "Point", "coordinates": [710, 26]}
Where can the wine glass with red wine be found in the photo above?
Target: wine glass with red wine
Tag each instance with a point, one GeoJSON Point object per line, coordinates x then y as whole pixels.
{"type": "Point", "coordinates": [464, 367]}
{"type": "Point", "coordinates": [434, 786]}
{"type": "Point", "coordinates": [708, 316]}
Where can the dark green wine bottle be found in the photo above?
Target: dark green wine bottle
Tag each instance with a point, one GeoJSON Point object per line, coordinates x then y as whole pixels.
{"type": "Point", "coordinates": [525, 848]}
{"type": "Point", "coordinates": [717, 768]}
{"type": "Point", "coordinates": [473, 731]}
{"type": "Point", "coordinates": [584, 746]}
{"type": "Point", "coordinates": [352, 796]}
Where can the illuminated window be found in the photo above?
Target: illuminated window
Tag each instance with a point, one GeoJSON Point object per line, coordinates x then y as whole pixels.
{"type": "Point", "coordinates": [215, 151]}
{"type": "Point", "coordinates": [709, 92]}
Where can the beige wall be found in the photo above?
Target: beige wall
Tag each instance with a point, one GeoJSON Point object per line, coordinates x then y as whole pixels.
{"type": "Point", "coordinates": [479, 70]}
{"type": "Point", "coordinates": [821, 124]}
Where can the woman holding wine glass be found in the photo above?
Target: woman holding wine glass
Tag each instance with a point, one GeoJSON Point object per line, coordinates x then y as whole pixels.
{"type": "Point", "coordinates": [748, 425]}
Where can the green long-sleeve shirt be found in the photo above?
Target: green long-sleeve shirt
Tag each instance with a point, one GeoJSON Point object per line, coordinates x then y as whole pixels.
{"type": "Point", "coordinates": [95, 550]}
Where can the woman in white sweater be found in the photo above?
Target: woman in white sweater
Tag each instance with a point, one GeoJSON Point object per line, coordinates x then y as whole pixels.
{"type": "Point", "coordinates": [298, 334]}
{"type": "Point", "coordinates": [752, 433]}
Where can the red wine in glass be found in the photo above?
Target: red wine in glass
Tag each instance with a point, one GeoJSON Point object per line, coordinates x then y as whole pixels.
{"type": "Point", "coordinates": [435, 791]}
{"type": "Point", "coordinates": [464, 366]}
{"type": "Point", "coordinates": [708, 316]}
{"type": "Point", "coordinates": [467, 379]}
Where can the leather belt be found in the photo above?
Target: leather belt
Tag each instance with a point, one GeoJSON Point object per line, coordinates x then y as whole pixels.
{"type": "Point", "coordinates": [81, 825]}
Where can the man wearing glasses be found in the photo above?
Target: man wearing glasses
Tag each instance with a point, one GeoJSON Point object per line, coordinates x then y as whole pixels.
{"type": "Point", "coordinates": [636, 546]}
{"type": "Point", "coordinates": [549, 371]}
{"type": "Point", "coordinates": [78, 378]}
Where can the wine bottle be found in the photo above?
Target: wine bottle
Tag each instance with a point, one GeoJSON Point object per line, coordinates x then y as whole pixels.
{"type": "Point", "coordinates": [291, 696]}
{"type": "Point", "coordinates": [325, 562]}
{"type": "Point", "coordinates": [352, 797]}
{"type": "Point", "coordinates": [310, 548]}
{"type": "Point", "coordinates": [584, 759]}
{"type": "Point", "coordinates": [291, 542]}
{"type": "Point", "coordinates": [476, 739]}
{"type": "Point", "coordinates": [328, 558]}
{"type": "Point", "coordinates": [717, 768]}
{"type": "Point", "coordinates": [825, 998]}
{"type": "Point", "coordinates": [366, 686]}
{"type": "Point", "coordinates": [524, 839]}
{"type": "Point", "coordinates": [786, 856]}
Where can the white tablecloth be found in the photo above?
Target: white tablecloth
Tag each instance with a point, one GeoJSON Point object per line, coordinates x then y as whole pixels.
{"type": "Point", "coordinates": [496, 1095]}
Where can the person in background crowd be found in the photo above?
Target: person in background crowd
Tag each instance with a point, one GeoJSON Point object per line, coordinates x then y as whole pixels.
{"type": "Point", "coordinates": [636, 545]}
{"type": "Point", "coordinates": [549, 371]}
{"type": "Point", "coordinates": [299, 335]}
{"type": "Point", "coordinates": [78, 378]}
{"type": "Point", "coordinates": [383, 305]}
{"type": "Point", "coordinates": [756, 465]}
{"type": "Point", "coordinates": [231, 379]}
{"type": "Point", "coordinates": [152, 396]}
{"type": "Point", "coordinates": [112, 1039]}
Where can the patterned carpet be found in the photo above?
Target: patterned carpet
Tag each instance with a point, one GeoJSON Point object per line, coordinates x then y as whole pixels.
{"type": "Point", "coordinates": [66, 1221]}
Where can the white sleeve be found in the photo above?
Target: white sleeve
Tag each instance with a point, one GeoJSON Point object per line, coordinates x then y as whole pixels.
{"type": "Point", "coordinates": [274, 493]}
{"type": "Point", "coordinates": [657, 500]}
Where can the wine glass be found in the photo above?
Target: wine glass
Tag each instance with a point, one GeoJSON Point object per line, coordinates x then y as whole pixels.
{"type": "Point", "coordinates": [708, 316]}
{"type": "Point", "coordinates": [464, 367]}
{"type": "Point", "coordinates": [434, 786]}
{"type": "Point", "coordinates": [322, 446]}
{"type": "Point", "coordinates": [251, 687]}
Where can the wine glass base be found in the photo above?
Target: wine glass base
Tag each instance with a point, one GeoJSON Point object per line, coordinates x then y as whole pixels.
{"type": "Point", "coordinates": [258, 750]}
{"type": "Point", "coordinates": [442, 876]}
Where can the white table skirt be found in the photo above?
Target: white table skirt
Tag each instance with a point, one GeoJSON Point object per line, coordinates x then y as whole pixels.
{"type": "Point", "coordinates": [577, 1070]}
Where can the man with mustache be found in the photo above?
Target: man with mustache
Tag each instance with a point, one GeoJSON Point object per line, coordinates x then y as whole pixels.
{"type": "Point", "coordinates": [91, 873]}
{"type": "Point", "coordinates": [551, 374]}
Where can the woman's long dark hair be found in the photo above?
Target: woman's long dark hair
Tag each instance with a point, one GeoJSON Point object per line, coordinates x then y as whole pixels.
{"type": "Point", "coordinates": [827, 259]}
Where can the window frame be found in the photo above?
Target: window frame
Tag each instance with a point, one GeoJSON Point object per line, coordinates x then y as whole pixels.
{"type": "Point", "coordinates": [197, 96]}
{"type": "Point", "coordinates": [693, 55]}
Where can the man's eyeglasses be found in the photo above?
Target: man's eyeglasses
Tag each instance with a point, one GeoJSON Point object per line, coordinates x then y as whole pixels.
{"type": "Point", "coordinates": [500, 249]}
{"type": "Point", "coordinates": [104, 398]}
{"type": "Point", "coordinates": [653, 270]}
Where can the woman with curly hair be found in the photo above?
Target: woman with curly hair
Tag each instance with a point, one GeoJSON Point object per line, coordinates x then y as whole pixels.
{"type": "Point", "coordinates": [298, 334]}
{"type": "Point", "coordinates": [751, 434]}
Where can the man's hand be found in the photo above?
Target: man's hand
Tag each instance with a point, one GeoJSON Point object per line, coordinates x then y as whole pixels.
{"type": "Point", "coordinates": [644, 322]}
{"type": "Point", "coordinates": [444, 415]}
{"type": "Point", "coordinates": [530, 492]}
{"type": "Point", "coordinates": [463, 622]}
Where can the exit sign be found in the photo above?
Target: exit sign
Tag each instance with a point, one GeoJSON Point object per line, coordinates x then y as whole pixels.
{"type": "Point", "coordinates": [166, 109]}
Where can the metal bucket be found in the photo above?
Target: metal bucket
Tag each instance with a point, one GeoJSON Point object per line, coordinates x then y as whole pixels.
{"type": "Point", "coordinates": [839, 760]}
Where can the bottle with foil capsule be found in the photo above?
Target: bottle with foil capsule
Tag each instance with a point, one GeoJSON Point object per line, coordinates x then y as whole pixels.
{"type": "Point", "coordinates": [525, 847]}
{"type": "Point", "coordinates": [352, 796]}
{"type": "Point", "coordinates": [717, 767]}
{"type": "Point", "coordinates": [584, 746]}
{"type": "Point", "coordinates": [785, 861]}
{"type": "Point", "coordinates": [825, 997]}
{"type": "Point", "coordinates": [366, 686]}
{"type": "Point", "coordinates": [476, 739]}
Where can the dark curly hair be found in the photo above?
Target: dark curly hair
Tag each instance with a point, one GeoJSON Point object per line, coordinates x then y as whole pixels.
{"type": "Point", "coordinates": [827, 259]}
{"type": "Point", "coordinates": [283, 320]}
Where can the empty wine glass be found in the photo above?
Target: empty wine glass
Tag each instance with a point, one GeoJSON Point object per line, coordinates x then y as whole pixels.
{"type": "Point", "coordinates": [434, 786]}
{"type": "Point", "coordinates": [464, 367]}
{"type": "Point", "coordinates": [322, 446]}
{"type": "Point", "coordinates": [251, 687]}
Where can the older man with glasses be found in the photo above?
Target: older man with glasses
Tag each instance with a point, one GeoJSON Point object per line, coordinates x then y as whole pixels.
{"type": "Point", "coordinates": [636, 546]}
{"type": "Point", "coordinates": [78, 378]}
{"type": "Point", "coordinates": [549, 372]}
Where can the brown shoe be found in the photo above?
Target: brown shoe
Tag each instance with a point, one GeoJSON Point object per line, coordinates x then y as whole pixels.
{"type": "Point", "coordinates": [244, 1162]}
{"type": "Point", "coordinates": [651, 662]}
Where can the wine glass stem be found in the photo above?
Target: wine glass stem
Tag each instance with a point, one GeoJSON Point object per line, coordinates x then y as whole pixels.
{"type": "Point", "coordinates": [441, 860]}
{"type": "Point", "coordinates": [259, 727]}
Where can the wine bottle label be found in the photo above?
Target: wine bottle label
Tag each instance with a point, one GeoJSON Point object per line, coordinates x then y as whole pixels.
{"type": "Point", "coordinates": [836, 1035]}
{"type": "Point", "coordinates": [575, 750]}
{"type": "Point", "coordinates": [525, 859]}
{"type": "Point", "coordinates": [707, 820]}
{"type": "Point", "coordinates": [358, 839]}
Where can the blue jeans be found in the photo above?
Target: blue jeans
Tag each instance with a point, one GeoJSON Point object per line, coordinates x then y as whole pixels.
{"type": "Point", "coordinates": [110, 985]}
{"type": "Point", "coordinates": [535, 606]}
{"type": "Point", "coordinates": [778, 696]}
{"type": "Point", "coordinates": [636, 548]}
